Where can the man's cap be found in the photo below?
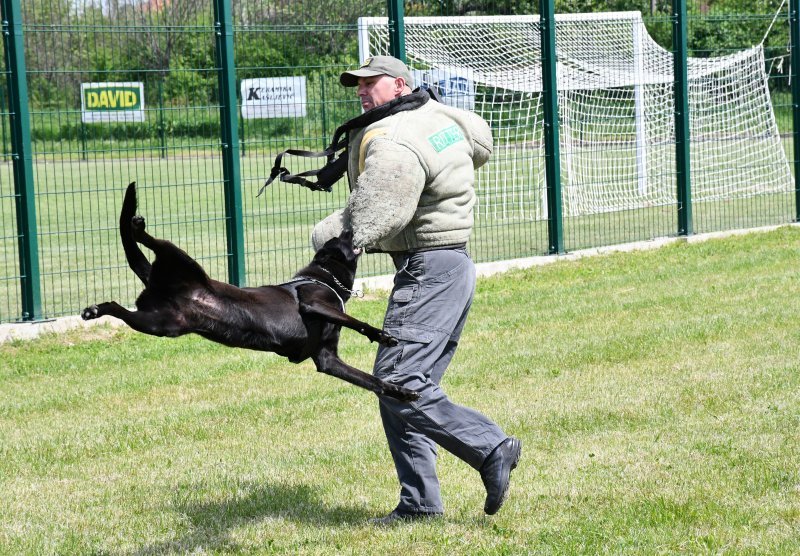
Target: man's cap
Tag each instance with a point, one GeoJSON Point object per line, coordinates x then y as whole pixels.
{"type": "Point", "coordinates": [378, 65]}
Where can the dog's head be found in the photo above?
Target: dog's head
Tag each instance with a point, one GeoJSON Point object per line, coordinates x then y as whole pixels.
{"type": "Point", "coordinates": [340, 250]}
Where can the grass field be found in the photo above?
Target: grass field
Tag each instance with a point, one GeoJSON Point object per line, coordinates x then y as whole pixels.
{"type": "Point", "coordinates": [657, 395]}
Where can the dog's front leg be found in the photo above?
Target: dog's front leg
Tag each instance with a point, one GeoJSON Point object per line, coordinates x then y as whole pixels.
{"type": "Point", "coordinates": [329, 363]}
{"type": "Point", "coordinates": [335, 316]}
{"type": "Point", "coordinates": [153, 323]}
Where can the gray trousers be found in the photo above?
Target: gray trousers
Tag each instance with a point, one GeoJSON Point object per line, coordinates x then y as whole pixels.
{"type": "Point", "coordinates": [429, 304]}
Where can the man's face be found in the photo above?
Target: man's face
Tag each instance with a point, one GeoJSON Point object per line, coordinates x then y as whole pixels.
{"type": "Point", "coordinates": [379, 89]}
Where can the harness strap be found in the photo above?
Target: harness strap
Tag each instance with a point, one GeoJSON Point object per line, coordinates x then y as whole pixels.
{"type": "Point", "coordinates": [336, 166]}
{"type": "Point", "coordinates": [318, 282]}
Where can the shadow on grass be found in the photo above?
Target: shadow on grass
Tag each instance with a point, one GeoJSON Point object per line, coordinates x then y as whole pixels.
{"type": "Point", "coordinates": [210, 523]}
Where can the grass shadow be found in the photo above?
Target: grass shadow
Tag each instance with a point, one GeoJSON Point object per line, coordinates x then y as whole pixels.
{"type": "Point", "coordinates": [210, 523]}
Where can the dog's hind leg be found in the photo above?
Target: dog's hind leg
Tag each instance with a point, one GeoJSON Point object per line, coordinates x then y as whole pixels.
{"type": "Point", "coordinates": [329, 363]}
{"type": "Point", "coordinates": [136, 259]}
{"type": "Point", "coordinates": [132, 231]}
{"type": "Point", "coordinates": [335, 316]}
{"type": "Point", "coordinates": [173, 263]}
{"type": "Point", "coordinates": [147, 322]}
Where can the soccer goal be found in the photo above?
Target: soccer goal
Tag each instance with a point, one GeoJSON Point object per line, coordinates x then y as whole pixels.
{"type": "Point", "coordinates": [616, 109]}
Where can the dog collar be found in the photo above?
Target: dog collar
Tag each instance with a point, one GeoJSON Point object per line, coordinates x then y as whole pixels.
{"type": "Point", "coordinates": [354, 293]}
{"type": "Point", "coordinates": [319, 282]}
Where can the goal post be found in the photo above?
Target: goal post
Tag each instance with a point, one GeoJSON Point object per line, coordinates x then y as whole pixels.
{"type": "Point", "coordinates": [616, 110]}
{"type": "Point", "coordinates": [638, 95]}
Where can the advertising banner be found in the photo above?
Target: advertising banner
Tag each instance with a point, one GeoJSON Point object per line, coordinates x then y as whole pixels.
{"type": "Point", "coordinates": [112, 102]}
{"type": "Point", "coordinates": [455, 85]}
{"type": "Point", "coordinates": [274, 97]}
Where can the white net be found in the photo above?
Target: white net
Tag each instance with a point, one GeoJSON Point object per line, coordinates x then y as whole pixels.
{"type": "Point", "coordinates": [616, 109]}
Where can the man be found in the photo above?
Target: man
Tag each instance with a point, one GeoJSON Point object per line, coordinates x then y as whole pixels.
{"type": "Point", "coordinates": [412, 175]}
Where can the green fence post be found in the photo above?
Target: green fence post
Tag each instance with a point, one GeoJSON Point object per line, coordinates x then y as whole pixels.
{"type": "Point", "coordinates": [552, 152]}
{"type": "Point", "coordinates": [794, 25]}
{"type": "Point", "coordinates": [229, 124]}
{"type": "Point", "coordinates": [162, 132]}
{"type": "Point", "coordinates": [324, 114]}
{"type": "Point", "coordinates": [83, 133]}
{"type": "Point", "coordinates": [22, 161]}
{"type": "Point", "coordinates": [397, 29]}
{"type": "Point", "coordinates": [3, 121]}
{"type": "Point", "coordinates": [242, 129]}
{"type": "Point", "coordinates": [681, 87]}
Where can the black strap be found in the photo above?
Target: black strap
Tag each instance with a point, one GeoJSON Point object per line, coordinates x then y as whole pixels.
{"type": "Point", "coordinates": [315, 281]}
{"type": "Point", "coordinates": [336, 166]}
{"type": "Point", "coordinates": [326, 176]}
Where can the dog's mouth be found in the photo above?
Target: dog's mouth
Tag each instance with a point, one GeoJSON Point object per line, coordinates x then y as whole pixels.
{"type": "Point", "coordinates": [357, 251]}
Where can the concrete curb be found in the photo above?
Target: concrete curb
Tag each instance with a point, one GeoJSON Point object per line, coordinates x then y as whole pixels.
{"type": "Point", "coordinates": [31, 330]}
{"type": "Point", "coordinates": [28, 331]}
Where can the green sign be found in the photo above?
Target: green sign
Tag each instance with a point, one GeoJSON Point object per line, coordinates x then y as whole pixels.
{"type": "Point", "coordinates": [112, 102]}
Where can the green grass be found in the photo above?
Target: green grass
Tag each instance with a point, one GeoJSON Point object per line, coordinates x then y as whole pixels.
{"type": "Point", "coordinates": [656, 394]}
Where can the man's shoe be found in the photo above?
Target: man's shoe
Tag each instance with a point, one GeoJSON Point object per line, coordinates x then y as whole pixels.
{"type": "Point", "coordinates": [496, 473]}
{"type": "Point", "coordinates": [400, 516]}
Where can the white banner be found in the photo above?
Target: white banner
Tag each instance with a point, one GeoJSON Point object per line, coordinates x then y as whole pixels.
{"type": "Point", "coordinates": [455, 85]}
{"type": "Point", "coordinates": [274, 97]}
{"type": "Point", "coordinates": [112, 102]}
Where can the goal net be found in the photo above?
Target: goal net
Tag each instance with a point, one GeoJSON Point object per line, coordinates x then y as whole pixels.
{"type": "Point", "coordinates": [616, 109]}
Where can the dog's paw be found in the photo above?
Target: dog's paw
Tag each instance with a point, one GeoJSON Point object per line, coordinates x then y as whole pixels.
{"type": "Point", "coordinates": [386, 339]}
{"type": "Point", "coordinates": [138, 223]}
{"type": "Point", "coordinates": [90, 313]}
{"type": "Point", "coordinates": [399, 393]}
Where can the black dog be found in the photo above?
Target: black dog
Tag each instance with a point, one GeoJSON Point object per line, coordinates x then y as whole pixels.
{"type": "Point", "coordinates": [298, 320]}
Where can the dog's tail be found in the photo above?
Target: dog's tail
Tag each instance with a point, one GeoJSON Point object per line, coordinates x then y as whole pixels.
{"type": "Point", "coordinates": [136, 259]}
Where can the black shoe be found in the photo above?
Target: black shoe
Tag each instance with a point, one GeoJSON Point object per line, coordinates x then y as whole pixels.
{"type": "Point", "coordinates": [399, 516]}
{"type": "Point", "coordinates": [496, 473]}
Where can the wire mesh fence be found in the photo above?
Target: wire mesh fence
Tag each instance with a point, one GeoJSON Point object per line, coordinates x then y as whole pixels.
{"type": "Point", "coordinates": [10, 275]}
{"type": "Point", "coordinates": [769, 204]}
{"type": "Point", "coordinates": [132, 91]}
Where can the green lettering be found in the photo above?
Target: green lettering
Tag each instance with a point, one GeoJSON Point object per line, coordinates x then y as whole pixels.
{"type": "Point", "coordinates": [446, 137]}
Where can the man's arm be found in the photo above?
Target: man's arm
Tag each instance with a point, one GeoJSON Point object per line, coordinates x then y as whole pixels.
{"type": "Point", "coordinates": [387, 193]}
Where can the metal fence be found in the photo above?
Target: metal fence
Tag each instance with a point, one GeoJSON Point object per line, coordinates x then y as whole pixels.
{"type": "Point", "coordinates": [98, 93]}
